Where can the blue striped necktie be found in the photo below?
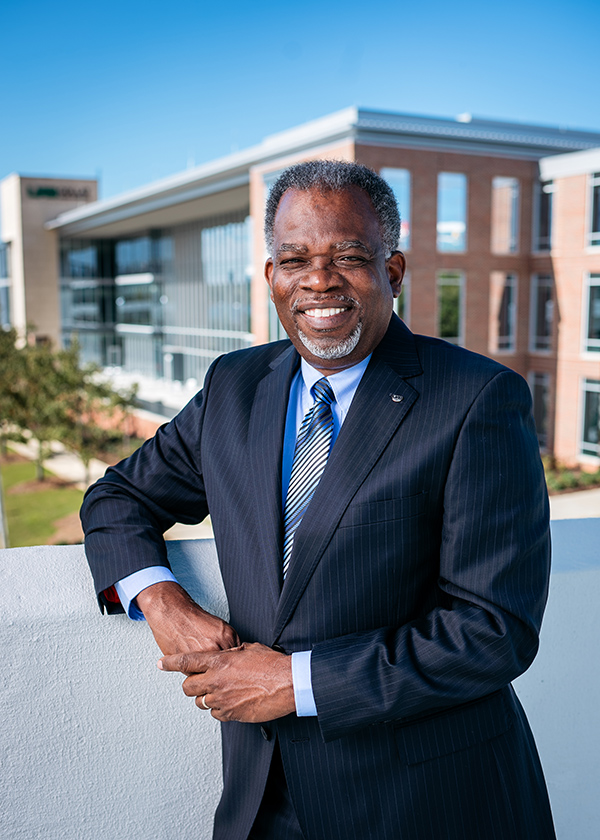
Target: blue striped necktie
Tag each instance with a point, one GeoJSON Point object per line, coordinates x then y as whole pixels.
{"type": "Point", "coordinates": [310, 456]}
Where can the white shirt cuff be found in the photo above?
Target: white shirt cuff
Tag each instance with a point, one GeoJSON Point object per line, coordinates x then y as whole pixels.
{"type": "Point", "coordinates": [302, 680]}
{"type": "Point", "coordinates": [130, 587]}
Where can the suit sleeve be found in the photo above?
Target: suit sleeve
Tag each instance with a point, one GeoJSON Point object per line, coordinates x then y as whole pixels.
{"type": "Point", "coordinates": [125, 513]}
{"type": "Point", "coordinates": [490, 593]}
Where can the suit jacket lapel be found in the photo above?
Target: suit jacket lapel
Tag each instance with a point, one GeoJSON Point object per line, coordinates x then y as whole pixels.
{"type": "Point", "coordinates": [265, 445]}
{"type": "Point", "coordinates": [381, 402]}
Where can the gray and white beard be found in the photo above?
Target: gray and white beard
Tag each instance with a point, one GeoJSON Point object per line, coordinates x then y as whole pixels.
{"type": "Point", "coordinates": [332, 351]}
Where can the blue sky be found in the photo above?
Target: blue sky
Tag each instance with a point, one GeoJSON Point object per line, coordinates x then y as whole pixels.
{"type": "Point", "coordinates": [133, 91]}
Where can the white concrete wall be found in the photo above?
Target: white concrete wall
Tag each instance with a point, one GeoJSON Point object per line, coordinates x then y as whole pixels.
{"type": "Point", "coordinates": [96, 742]}
{"type": "Point", "coordinates": [561, 690]}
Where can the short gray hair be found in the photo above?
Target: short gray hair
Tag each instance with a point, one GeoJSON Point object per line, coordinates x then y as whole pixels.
{"type": "Point", "coordinates": [337, 175]}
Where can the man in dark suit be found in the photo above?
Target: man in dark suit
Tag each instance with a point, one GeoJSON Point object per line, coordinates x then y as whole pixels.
{"type": "Point", "coordinates": [382, 595]}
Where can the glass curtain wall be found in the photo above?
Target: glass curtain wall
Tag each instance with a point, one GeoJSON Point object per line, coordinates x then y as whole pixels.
{"type": "Point", "coordinates": [142, 265]}
{"type": "Point", "coordinates": [205, 300]}
{"type": "Point", "coordinates": [163, 304]}
{"type": "Point", "coordinates": [87, 298]}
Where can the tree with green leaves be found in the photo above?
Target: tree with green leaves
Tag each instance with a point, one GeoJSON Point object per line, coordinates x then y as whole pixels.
{"type": "Point", "coordinates": [47, 395]}
{"type": "Point", "coordinates": [93, 411]}
{"type": "Point", "coordinates": [11, 364]}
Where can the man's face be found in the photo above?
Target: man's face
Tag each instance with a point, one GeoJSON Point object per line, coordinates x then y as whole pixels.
{"type": "Point", "coordinates": [330, 281]}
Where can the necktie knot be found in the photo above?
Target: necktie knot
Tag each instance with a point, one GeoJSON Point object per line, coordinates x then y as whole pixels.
{"type": "Point", "coordinates": [323, 391]}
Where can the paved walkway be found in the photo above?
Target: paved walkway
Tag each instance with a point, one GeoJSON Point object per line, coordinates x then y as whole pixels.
{"type": "Point", "coordinates": [62, 463]}
{"type": "Point", "coordinates": [68, 466]}
{"type": "Point", "coordinates": [582, 504]}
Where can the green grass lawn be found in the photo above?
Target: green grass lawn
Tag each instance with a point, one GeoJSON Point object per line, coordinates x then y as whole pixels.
{"type": "Point", "coordinates": [31, 515]}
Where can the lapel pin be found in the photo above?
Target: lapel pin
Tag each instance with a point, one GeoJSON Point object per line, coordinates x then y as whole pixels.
{"type": "Point", "coordinates": [396, 397]}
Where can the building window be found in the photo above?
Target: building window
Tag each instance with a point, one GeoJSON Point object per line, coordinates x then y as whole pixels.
{"type": "Point", "coordinates": [594, 235]}
{"type": "Point", "coordinates": [592, 316]}
{"type": "Point", "coordinates": [450, 306]}
{"type": "Point", "coordinates": [145, 254]}
{"type": "Point", "coordinates": [540, 392]}
{"type": "Point", "coordinates": [542, 222]}
{"type": "Point", "coordinates": [399, 181]}
{"type": "Point", "coordinates": [542, 313]}
{"type": "Point", "coordinates": [4, 260]}
{"type": "Point", "coordinates": [503, 301]}
{"type": "Point", "coordinates": [4, 285]}
{"type": "Point", "coordinates": [402, 303]}
{"type": "Point", "coordinates": [590, 444]}
{"type": "Point", "coordinates": [505, 216]}
{"type": "Point", "coordinates": [4, 305]}
{"type": "Point", "coordinates": [133, 256]}
{"type": "Point", "coordinates": [86, 258]}
{"type": "Point", "coordinates": [86, 303]}
{"type": "Point", "coordinates": [138, 300]}
{"type": "Point", "coordinates": [452, 212]}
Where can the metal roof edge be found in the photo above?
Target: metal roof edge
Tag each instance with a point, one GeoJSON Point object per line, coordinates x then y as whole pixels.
{"type": "Point", "coordinates": [297, 138]}
{"type": "Point", "coordinates": [574, 163]}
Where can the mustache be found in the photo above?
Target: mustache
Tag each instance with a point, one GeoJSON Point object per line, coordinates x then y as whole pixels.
{"type": "Point", "coordinates": [308, 302]}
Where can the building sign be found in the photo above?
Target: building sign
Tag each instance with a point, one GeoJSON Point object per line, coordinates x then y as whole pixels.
{"type": "Point", "coordinates": [80, 193]}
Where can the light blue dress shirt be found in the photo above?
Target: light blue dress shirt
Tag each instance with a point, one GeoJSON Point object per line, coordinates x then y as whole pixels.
{"type": "Point", "coordinates": [344, 385]}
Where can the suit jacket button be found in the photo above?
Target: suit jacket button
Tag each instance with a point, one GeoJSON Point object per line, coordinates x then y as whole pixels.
{"type": "Point", "coordinates": [278, 649]}
{"type": "Point", "coordinates": [265, 733]}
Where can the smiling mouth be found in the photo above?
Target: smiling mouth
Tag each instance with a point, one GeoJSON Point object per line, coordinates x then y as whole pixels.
{"type": "Point", "coordinates": [328, 313]}
{"type": "Point", "coordinates": [325, 313]}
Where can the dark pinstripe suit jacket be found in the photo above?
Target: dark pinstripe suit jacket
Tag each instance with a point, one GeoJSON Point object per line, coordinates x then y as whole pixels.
{"type": "Point", "coordinates": [418, 578]}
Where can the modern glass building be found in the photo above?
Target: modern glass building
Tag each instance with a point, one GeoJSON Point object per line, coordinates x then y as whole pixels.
{"type": "Point", "coordinates": [163, 304]}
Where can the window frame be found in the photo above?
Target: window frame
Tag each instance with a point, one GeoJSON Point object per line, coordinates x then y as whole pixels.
{"type": "Point", "coordinates": [511, 279]}
{"type": "Point", "coordinates": [587, 386]}
{"type": "Point", "coordinates": [542, 188]}
{"type": "Point", "coordinates": [465, 244]}
{"type": "Point", "coordinates": [591, 279]}
{"type": "Point", "coordinates": [592, 237]}
{"type": "Point", "coordinates": [461, 277]}
{"type": "Point", "coordinates": [533, 310]}
{"type": "Point", "coordinates": [532, 380]}
{"type": "Point", "coordinates": [515, 214]}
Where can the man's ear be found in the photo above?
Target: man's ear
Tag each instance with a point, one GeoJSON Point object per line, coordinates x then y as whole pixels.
{"type": "Point", "coordinates": [396, 266]}
{"type": "Point", "coordinates": [269, 274]}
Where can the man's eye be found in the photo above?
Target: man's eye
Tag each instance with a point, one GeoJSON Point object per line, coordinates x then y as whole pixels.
{"type": "Point", "coordinates": [351, 258]}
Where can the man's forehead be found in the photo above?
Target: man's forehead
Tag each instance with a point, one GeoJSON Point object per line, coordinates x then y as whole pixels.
{"type": "Point", "coordinates": [350, 209]}
{"type": "Point", "coordinates": [351, 193]}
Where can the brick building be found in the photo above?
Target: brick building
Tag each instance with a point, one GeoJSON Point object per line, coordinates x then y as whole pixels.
{"type": "Point", "coordinates": [500, 226]}
{"type": "Point", "coordinates": [570, 270]}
